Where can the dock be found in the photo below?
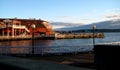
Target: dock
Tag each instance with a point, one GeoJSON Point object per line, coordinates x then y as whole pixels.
{"type": "Point", "coordinates": [24, 37]}
{"type": "Point", "coordinates": [79, 35]}
{"type": "Point", "coordinates": [58, 36]}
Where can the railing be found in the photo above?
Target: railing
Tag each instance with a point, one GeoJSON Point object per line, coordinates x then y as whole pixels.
{"type": "Point", "coordinates": [43, 50]}
{"type": "Point", "coordinates": [15, 37]}
{"type": "Point", "coordinates": [20, 27]}
{"type": "Point", "coordinates": [16, 26]}
{"type": "Point", "coordinates": [111, 43]}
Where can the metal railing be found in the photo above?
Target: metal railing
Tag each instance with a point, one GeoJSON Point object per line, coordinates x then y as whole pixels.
{"type": "Point", "coordinates": [43, 50]}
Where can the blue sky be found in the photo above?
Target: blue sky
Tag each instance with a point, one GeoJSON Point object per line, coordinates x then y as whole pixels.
{"type": "Point", "coordinates": [73, 11]}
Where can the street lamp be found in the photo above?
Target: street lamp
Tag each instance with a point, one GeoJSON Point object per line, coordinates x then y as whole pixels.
{"type": "Point", "coordinates": [33, 27]}
{"type": "Point", "coordinates": [94, 26]}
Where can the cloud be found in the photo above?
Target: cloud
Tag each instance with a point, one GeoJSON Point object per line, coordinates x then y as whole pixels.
{"type": "Point", "coordinates": [63, 16]}
{"type": "Point", "coordinates": [56, 27]}
{"type": "Point", "coordinates": [113, 10]}
{"type": "Point", "coordinates": [63, 24]}
{"type": "Point", "coordinates": [87, 19]}
{"type": "Point", "coordinates": [113, 15]}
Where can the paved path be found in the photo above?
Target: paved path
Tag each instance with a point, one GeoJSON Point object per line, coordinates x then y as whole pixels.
{"type": "Point", "coordinates": [10, 63]}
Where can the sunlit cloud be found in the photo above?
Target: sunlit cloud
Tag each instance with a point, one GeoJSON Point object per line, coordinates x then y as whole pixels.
{"type": "Point", "coordinates": [63, 24]}
{"type": "Point", "coordinates": [56, 27]}
{"type": "Point", "coordinates": [110, 14]}
{"type": "Point", "coordinates": [113, 15]}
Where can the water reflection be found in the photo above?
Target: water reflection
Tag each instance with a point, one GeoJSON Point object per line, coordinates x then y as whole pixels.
{"type": "Point", "coordinates": [42, 43]}
{"type": "Point", "coordinates": [25, 43]}
{"type": "Point", "coordinates": [16, 43]}
{"type": "Point", "coordinates": [23, 46]}
{"type": "Point", "coordinates": [63, 45]}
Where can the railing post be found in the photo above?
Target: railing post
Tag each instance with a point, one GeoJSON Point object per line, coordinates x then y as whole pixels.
{"type": "Point", "coordinates": [24, 50]}
{"type": "Point", "coordinates": [42, 51]}
{"type": "Point", "coordinates": [75, 50]}
{"type": "Point", "coordinates": [6, 50]}
{"type": "Point", "coordinates": [59, 50]}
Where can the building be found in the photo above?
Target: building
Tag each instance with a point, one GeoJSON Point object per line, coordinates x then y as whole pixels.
{"type": "Point", "coordinates": [17, 27]}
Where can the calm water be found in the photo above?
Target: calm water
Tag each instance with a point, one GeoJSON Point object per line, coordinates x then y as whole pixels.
{"type": "Point", "coordinates": [65, 44]}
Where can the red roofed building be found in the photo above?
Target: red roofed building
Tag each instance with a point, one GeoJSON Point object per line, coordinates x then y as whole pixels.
{"type": "Point", "coordinates": [16, 27]}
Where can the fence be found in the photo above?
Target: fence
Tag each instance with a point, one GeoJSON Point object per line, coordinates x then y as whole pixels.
{"type": "Point", "coordinates": [43, 50]}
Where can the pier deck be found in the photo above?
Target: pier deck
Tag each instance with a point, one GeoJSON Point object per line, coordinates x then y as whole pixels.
{"type": "Point", "coordinates": [79, 35]}
{"type": "Point", "coordinates": [59, 36]}
{"type": "Point", "coordinates": [25, 37]}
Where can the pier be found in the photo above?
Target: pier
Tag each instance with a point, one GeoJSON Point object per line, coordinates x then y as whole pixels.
{"type": "Point", "coordinates": [79, 35]}
{"type": "Point", "coordinates": [58, 36]}
{"type": "Point", "coordinates": [24, 37]}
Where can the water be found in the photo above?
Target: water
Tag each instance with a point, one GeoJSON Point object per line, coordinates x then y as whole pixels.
{"type": "Point", "coordinates": [61, 45]}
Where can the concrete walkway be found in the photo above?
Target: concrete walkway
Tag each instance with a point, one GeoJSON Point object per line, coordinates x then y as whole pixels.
{"type": "Point", "coordinates": [15, 63]}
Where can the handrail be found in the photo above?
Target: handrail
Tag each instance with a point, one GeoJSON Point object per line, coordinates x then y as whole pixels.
{"type": "Point", "coordinates": [43, 49]}
{"type": "Point", "coordinates": [49, 50]}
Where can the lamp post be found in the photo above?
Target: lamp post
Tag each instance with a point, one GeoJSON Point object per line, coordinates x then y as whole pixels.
{"type": "Point", "coordinates": [94, 26]}
{"type": "Point", "coordinates": [33, 27]}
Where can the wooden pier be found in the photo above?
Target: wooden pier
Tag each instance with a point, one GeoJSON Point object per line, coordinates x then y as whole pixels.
{"type": "Point", "coordinates": [24, 37]}
{"type": "Point", "coordinates": [58, 36]}
{"type": "Point", "coordinates": [79, 35]}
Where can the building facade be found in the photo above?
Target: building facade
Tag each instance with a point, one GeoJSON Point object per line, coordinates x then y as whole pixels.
{"type": "Point", "coordinates": [17, 27]}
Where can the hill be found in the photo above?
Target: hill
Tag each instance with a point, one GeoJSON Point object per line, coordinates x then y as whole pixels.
{"type": "Point", "coordinates": [109, 24]}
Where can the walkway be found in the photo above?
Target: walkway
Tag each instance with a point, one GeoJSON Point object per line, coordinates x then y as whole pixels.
{"type": "Point", "coordinates": [15, 63]}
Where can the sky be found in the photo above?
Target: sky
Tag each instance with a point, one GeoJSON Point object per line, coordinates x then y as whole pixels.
{"type": "Point", "coordinates": [67, 11]}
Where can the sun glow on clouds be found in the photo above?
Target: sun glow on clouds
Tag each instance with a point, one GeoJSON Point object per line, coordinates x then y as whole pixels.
{"type": "Point", "coordinates": [56, 27]}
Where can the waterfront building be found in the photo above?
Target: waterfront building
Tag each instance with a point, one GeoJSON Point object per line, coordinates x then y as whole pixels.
{"type": "Point", "coordinates": [18, 27]}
